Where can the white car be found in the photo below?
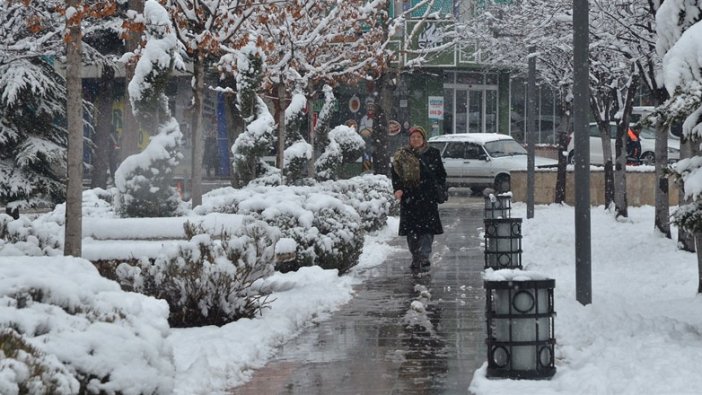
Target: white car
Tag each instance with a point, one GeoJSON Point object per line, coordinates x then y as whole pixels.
{"type": "Point", "coordinates": [648, 146]}
{"type": "Point", "coordinates": [480, 160]}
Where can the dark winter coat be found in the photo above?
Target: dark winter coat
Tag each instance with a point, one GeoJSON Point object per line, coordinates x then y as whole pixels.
{"type": "Point", "coordinates": [419, 210]}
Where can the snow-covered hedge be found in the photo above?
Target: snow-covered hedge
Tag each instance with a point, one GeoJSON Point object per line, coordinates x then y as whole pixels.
{"type": "Point", "coordinates": [370, 195]}
{"type": "Point", "coordinates": [66, 330]}
{"type": "Point", "coordinates": [208, 282]}
{"type": "Point", "coordinates": [328, 233]}
{"type": "Point", "coordinates": [44, 235]}
{"type": "Point", "coordinates": [23, 237]}
{"type": "Point", "coordinates": [323, 219]}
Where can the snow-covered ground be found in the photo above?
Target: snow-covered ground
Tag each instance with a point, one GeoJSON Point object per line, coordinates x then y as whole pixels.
{"type": "Point", "coordinates": [641, 334]}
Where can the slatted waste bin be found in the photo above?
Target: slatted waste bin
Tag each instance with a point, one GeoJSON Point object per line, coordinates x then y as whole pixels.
{"type": "Point", "coordinates": [498, 206]}
{"type": "Point", "coordinates": [503, 243]}
{"type": "Point", "coordinates": [520, 324]}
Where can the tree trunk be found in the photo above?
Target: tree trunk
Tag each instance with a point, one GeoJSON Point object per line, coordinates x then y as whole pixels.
{"type": "Point", "coordinates": [381, 156]}
{"type": "Point", "coordinates": [620, 198]}
{"type": "Point", "coordinates": [197, 141]}
{"type": "Point", "coordinates": [129, 143]}
{"type": "Point", "coordinates": [608, 166]}
{"type": "Point", "coordinates": [104, 149]}
{"type": "Point", "coordinates": [662, 217]}
{"type": "Point", "coordinates": [74, 117]}
{"type": "Point", "coordinates": [686, 240]}
{"type": "Point", "coordinates": [280, 116]}
{"type": "Point", "coordinates": [316, 151]}
{"type": "Point", "coordinates": [562, 167]}
{"type": "Point", "coordinates": [563, 148]}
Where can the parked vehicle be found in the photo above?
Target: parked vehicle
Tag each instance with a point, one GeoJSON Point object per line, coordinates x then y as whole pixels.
{"type": "Point", "coordinates": [648, 146]}
{"type": "Point", "coordinates": [480, 160]}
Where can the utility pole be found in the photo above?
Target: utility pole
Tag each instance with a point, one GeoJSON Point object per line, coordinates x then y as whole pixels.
{"type": "Point", "coordinates": [581, 70]}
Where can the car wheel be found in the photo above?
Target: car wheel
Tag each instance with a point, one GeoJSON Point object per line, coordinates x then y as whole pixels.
{"type": "Point", "coordinates": [571, 158]}
{"type": "Point", "coordinates": [502, 184]}
{"type": "Point", "coordinates": [648, 158]}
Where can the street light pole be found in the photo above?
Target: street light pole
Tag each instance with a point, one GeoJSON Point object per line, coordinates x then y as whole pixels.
{"type": "Point", "coordinates": [531, 130]}
{"type": "Point", "coordinates": [581, 96]}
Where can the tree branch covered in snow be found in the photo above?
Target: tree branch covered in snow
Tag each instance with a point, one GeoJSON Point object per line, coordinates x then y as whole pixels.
{"type": "Point", "coordinates": [32, 142]}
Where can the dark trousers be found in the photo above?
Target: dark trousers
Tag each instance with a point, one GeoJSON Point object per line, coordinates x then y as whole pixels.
{"type": "Point", "coordinates": [420, 246]}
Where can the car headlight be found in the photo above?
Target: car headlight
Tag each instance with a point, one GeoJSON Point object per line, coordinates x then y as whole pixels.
{"type": "Point", "coordinates": [673, 150]}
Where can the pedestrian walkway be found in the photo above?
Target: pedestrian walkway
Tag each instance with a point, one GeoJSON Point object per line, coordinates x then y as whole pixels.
{"type": "Point", "coordinates": [400, 334]}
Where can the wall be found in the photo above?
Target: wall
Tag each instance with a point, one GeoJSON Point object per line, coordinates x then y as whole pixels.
{"type": "Point", "coordinates": [640, 187]}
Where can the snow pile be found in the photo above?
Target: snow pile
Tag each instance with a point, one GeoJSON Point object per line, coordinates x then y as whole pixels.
{"type": "Point", "coordinates": [82, 328]}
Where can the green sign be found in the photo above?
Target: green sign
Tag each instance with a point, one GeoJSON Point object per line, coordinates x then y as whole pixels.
{"type": "Point", "coordinates": [444, 7]}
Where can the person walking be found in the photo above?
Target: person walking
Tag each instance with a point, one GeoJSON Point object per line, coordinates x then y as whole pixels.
{"type": "Point", "coordinates": [633, 146]}
{"type": "Point", "coordinates": [417, 173]}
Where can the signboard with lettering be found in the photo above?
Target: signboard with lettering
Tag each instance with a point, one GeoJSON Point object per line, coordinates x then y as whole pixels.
{"type": "Point", "coordinates": [436, 107]}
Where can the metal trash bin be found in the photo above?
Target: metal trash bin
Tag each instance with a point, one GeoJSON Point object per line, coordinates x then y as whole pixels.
{"type": "Point", "coordinates": [520, 325]}
{"type": "Point", "coordinates": [498, 206]}
{"type": "Point", "coordinates": [503, 243]}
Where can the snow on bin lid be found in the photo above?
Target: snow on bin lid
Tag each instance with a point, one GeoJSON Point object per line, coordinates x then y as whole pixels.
{"type": "Point", "coordinates": [512, 275]}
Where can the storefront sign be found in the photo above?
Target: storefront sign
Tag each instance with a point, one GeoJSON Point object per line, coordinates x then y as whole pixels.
{"type": "Point", "coordinates": [436, 107]}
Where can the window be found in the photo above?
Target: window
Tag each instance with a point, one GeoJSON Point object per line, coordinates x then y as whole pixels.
{"type": "Point", "coordinates": [474, 151]}
{"type": "Point", "coordinates": [454, 150]}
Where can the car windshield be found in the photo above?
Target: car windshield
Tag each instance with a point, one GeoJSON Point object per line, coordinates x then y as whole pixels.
{"type": "Point", "coordinates": [500, 148]}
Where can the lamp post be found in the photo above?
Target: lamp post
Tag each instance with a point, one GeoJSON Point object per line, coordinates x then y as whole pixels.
{"type": "Point", "coordinates": [581, 96]}
{"type": "Point", "coordinates": [531, 130]}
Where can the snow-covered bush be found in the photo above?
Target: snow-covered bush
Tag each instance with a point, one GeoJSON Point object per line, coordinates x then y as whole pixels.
{"type": "Point", "coordinates": [370, 195]}
{"type": "Point", "coordinates": [153, 69]}
{"type": "Point", "coordinates": [206, 282]}
{"type": "Point", "coordinates": [55, 318]}
{"type": "Point", "coordinates": [144, 181]}
{"type": "Point", "coordinates": [259, 137]}
{"type": "Point", "coordinates": [328, 231]}
{"type": "Point", "coordinates": [321, 129]}
{"type": "Point", "coordinates": [24, 369]}
{"type": "Point", "coordinates": [252, 145]}
{"type": "Point", "coordinates": [339, 241]}
{"type": "Point", "coordinates": [44, 235]}
{"type": "Point", "coordinates": [23, 237]}
{"type": "Point", "coordinates": [344, 146]}
{"type": "Point", "coordinates": [296, 157]}
{"type": "Point", "coordinates": [298, 152]}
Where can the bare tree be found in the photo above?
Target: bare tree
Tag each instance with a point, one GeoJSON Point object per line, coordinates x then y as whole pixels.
{"type": "Point", "coordinates": [203, 28]}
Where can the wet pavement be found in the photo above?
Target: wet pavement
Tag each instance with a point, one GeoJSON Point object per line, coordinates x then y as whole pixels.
{"type": "Point", "coordinates": [401, 333]}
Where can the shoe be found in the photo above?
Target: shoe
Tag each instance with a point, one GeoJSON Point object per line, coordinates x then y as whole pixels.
{"type": "Point", "coordinates": [415, 265]}
{"type": "Point", "coordinates": [426, 263]}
